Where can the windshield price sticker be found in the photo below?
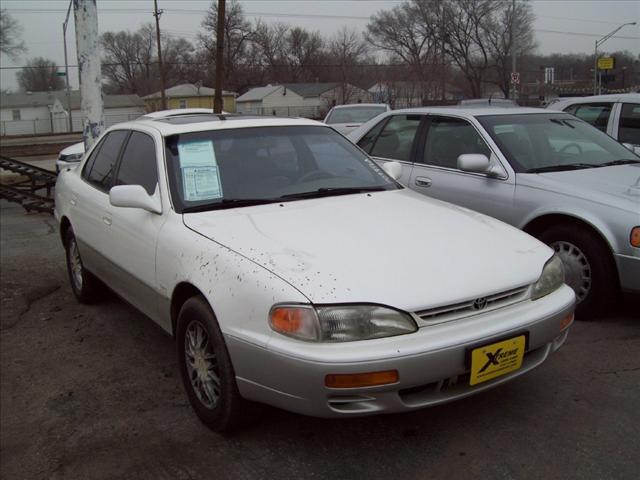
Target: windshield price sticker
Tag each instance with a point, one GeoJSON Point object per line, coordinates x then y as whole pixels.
{"type": "Point", "coordinates": [491, 361]}
{"type": "Point", "coordinates": [200, 174]}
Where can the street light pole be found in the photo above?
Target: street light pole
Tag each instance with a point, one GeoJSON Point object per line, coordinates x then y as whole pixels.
{"type": "Point", "coordinates": [66, 64]}
{"type": "Point", "coordinates": [595, 53]}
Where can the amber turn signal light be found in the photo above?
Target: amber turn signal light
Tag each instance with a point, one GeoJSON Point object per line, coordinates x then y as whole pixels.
{"type": "Point", "coordinates": [635, 237]}
{"type": "Point", "coordinates": [355, 380]}
{"type": "Point", "coordinates": [566, 321]}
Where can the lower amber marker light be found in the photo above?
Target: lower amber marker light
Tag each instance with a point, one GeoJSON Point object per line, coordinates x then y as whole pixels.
{"type": "Point", "coordinates": [355, 380]}
{"type": "Point", "coordinates": [635, 237]}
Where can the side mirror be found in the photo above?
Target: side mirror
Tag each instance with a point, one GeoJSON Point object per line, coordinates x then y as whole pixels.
{"type": "Point", "coordinates": [393, 169]}
{"type": "Point", "coordinates": [474, 162]}
{"type": "Point", "coordinates": [634, 148]}
{"type": "Point", "coordinates": [134, 196]}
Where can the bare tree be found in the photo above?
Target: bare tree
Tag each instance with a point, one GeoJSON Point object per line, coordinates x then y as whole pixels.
{"type": "Point", "coordinates": [39, 75]}
{"type": "Point", "coordinates": [347, 49]}
{"type": "Point", "coordinates": [269, 42]}
{"type": "Point", "coordinates": [10, 32]}
{"type": "Point", "coordinates": [304, 50]}
{"type": "Point", "coordinates": [502, 30]}
{"type": "Point", "coordinates": [405, 33]}
{"type": "Point", "coordinates": [126, 60]}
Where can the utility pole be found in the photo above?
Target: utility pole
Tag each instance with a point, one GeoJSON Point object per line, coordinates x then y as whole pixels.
{"type": "Point", "coordinates": [513, 35]}
{"type": "Point", "coordinates": [217, 101]}
{"type": "Point", "coordinates": [157, 13]}
{"type": "Point", "coordinates": [66, 65]}
{"type": "Point", "coordinates": [85, 13]}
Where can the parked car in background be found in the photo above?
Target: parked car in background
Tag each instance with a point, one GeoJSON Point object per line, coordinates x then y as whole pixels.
{"type": "Point", "coordinates": [617, 115]}
{"type": "Point", "coordinates": [488, 102]}
{"type": "Point", "coordinates": [70, 156]}
{"type": "Point", "coordinates": [274, 251]}
{"type": "Point", "coordinates": [548, 173]}
{"type": "Point", "coordinates": [346, 118]}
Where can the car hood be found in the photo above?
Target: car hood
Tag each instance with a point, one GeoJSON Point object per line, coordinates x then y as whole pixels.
{"type": "Point", "coordinates": [396, 248]}
{"type": "Point", "coordinates": [618, 186]}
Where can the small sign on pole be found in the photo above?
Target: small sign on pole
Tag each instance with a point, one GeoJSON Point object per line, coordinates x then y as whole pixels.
{"type": "Point", "coordinates": [606, 63]}
{"type": "Point", "coordinates": [515, 78]}
{"type": "Point", "coordinates": [61, 74]}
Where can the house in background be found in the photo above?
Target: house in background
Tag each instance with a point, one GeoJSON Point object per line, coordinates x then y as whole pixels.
{"type": "Point", "coordinates": [34, 113]}
{"type": "Point", "coordinates": [189, 95]}
{"type": "Point", "coordinates": [311, 100]}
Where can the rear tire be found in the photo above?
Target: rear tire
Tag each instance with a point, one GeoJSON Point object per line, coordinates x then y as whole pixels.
{"type": "Point", "coordinates": [589, 267]}
{"type": "Point", "coordinates": [206, 368]}
{"type": "Point", "coordinates": [85, 286]}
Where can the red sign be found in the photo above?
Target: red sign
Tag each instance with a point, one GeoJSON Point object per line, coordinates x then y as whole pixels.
{"type": "Point", "coordinates": [515, 78]}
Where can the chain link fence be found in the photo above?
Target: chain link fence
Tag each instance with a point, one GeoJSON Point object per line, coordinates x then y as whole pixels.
{"type": "Point", "coordinates": [56, 123]}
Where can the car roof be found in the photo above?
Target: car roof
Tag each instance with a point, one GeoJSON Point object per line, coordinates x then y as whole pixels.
{"type": "Point", "coordinates": [611, 97]}
{"type": "Point", "coordinates": [198, 122]}
{"type": "Point", "coordinates": [355, 105]}
{"type": "Point", "coordinates": [471, 111]}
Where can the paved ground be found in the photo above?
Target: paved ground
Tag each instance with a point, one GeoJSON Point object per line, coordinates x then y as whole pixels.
{"type": "Point", "coordinates": [94, 393]}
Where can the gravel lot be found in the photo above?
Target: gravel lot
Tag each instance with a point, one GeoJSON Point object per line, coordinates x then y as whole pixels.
{"type": "Point", "coordinates": [93, 392]}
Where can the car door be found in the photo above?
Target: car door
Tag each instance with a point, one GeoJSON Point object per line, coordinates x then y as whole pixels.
{"type": "Point", "coordinates": [394, 139]}
{"type": "Point", "coordinates": [435, 173]}
{"type": "Point", "coordinates": [134, 231]}
{"type": "Point", "coordinates": [90, 208]}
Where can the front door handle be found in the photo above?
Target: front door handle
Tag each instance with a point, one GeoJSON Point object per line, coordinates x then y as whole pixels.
{"type": "Point", "coordinates": [106, 220]}
{"type": "Point", "coordinates": [73, 202]}
{"type": "Point", "coordinates": [423, 181]}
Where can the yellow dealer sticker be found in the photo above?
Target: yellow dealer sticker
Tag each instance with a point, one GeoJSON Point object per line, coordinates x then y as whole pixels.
{"type": "Point", "coordinates": [496, 359]}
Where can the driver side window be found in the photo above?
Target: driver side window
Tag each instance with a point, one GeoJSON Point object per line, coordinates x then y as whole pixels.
{"type": "Point", "coordinates": [138, 164]}
{"type": "Point", "coordinates": [448, 138]}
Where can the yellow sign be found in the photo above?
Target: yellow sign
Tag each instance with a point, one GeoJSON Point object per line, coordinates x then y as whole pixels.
{"type": "Point", "coordinates": [496, 359]}
{"type": "Point", "coordinates": [606, 63]}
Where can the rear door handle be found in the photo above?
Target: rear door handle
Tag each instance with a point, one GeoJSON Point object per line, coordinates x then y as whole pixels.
{"type": "Point", "coordinates": [106, 220]}
{"type": "Point", "coordinates": [423, 181]}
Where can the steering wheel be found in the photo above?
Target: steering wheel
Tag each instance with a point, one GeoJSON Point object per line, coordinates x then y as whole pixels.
{"type": "Point", "coordinates": [569, 145]}
{"type": "Point", "coordinates": [314, 175]}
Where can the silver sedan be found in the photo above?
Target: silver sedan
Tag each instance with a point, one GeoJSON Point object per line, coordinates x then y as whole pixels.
{"type": "Point", "coordinates": [550, 174]}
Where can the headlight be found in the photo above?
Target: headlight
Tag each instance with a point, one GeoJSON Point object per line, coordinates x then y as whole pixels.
{"type": "Point", "coordinates": [551, 279]}
{"type": "Point", "coordinates": [339, 323]}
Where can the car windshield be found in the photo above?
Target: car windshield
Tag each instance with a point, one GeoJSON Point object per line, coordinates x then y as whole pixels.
{"type": "Point", "coordinates": [553, 142]}
{"type": "Point", "coordinates": [354, 114]}
{"type": "Point", "coordinates": [249, 166]}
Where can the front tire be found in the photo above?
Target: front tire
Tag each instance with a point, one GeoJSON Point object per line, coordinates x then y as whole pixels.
{"type": "Point", "coordinates": [205, 367]}
{"type": "Point", "coordinates": [85, 286]}
{"type": "Point", "coordinates": [588, 265]}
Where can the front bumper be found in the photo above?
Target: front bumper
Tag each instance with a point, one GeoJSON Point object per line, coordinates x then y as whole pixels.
{"type": "Point", "coordinates": [629, 272]}
{"type": "Point", "coordinates": [435, 372]}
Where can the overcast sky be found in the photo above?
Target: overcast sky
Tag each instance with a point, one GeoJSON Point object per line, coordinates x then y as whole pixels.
{"type": "Point", "coordinates": [563, 26]}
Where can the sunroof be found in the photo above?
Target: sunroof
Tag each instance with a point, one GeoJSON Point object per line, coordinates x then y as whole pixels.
{"type": "Point", "coordinates": [203, 117]}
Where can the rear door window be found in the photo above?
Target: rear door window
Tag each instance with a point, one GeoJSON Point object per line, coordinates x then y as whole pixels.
{"type": "Point", "coordinates": [103, 167]}
{"type": "Point", "coordinates": [138, 164]}
{"type": "Point", "coordinates": [629, 130]}
{"type": "Point", "coordinates": [597, 114]}
{"type": "Point", "coordinates": [396, 138]}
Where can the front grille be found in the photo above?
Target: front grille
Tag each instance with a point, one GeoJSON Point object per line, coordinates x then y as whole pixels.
{"type": "Point", "coordinates": [454, 311]}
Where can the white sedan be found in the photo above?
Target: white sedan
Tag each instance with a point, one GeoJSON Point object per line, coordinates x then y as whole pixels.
{"type": "Point", "coordinates": [293, 271]}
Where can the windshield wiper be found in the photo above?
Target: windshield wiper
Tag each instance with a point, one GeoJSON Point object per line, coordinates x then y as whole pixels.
{"type": "Point", "coordinates": [328, 191]}
{"type": "Point", "coordinates": [229, 203]}
{"type": "Point", "coordinates": [559, 168]}
{"type": "Point", "coordinates": [619, 162]}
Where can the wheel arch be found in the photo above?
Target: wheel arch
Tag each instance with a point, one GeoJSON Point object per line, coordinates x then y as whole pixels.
{"type": "Point", "coordinates": [181, 293]}
{"type": "Point", "coordinates": [537, 225]}
{"type": "Point", "coordinates": [65, 225]}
